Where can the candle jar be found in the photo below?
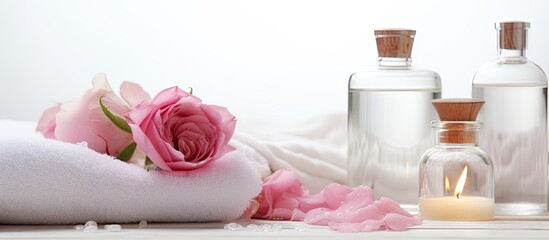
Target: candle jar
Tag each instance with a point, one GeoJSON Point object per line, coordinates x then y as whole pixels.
{"type": "Point", "coordinates": [456, 176]}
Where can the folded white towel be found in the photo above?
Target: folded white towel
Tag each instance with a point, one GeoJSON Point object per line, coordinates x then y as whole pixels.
{"type": "Point", "coordinates": [51, 182]}
{"type": "Point", "coordinates": [55, 182]}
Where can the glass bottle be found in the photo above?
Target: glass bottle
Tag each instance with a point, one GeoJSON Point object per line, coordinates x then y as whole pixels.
{"type": "Point", "coordinates": [515, 115]}
{"type": "Point", "coordinates": [389, 107]}
{"type": "Point", "coordinates": [456, 176]}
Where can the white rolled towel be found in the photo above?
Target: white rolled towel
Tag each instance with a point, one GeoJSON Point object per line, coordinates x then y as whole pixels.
{"type": "Point", "coordinates": [51, 182]}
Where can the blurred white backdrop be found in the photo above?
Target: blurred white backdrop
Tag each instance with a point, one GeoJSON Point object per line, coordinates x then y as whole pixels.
{"type": "Point", "coordinates": [261, 59]}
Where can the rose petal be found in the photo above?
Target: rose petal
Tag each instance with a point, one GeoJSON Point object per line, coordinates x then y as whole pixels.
{"type": "Point", "coordinates": [395, 221]}
{"type": "Point", "coordinates": [338, 206]}
{"type": "Point", "coordinates": [221, 117]}
{"type": "Point", "coordinates": [46, 124]}
{"type": "Point", "coordinates": [99, 81]}
{"type": "Point", "coordinates": [330, 197]}
{"type": "Point", "coordinates": [71, 118]}
{"type": "Point", "coordinates": [147, 147]}
{"type": "Point", "coordinates": [359, 197]}
{"type": "Point", "coordinates": [185, 166]}
{"type": "Point", "coordinates": [370, 212]}
{"type": "Point", "coordinates": [319, 216]}
{"type": "Point", "coordinates": [297, 215]}
{"type": "Point", "coordinates": [133, 93]}
{"type": "Point", "coordinates": [115, 138]}
{"type": "Point", "coordinates": [387, 205]}
{"type": "Point", "coordinates": [170, 96]}
{"type": "Point", "coordinates": [365, 226]}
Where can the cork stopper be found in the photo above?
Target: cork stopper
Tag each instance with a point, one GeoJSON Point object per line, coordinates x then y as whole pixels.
{"type": "Point", "coordinates": [453, 113]}
{"type": "Point", "coordinates": [395, 43]}
{"type": "Point", "coordinates": [512, 35]}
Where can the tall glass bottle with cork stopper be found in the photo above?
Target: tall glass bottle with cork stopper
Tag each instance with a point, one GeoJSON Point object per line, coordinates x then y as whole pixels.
{"type": "Point", "coordinates": [515, 116]}
{"type": "Point", "coordinates": [389, 111]}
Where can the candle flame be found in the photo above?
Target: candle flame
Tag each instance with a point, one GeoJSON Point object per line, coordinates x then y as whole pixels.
{"type": "Point", "coordinates": [461, 182]}
{"type": "Point", "coordinates": [446, 184]}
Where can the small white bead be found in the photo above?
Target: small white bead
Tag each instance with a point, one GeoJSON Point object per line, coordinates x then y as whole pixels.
{"type": "Point", "coordinates": [113, 228]}
{"type": "Point", "coordinates": [90, 228]}
{"type": "Point", "coordinates": [301, 227]}
{"type": "Point", "coordinates": [142, 224]}
{"type": "Point", "coordinates": [233, 227]}
{"type": "Point", "coordinates": [252, 228]}
{"type": "Point", "coordinates": [267, 228]}
{"type": "Point", "coordinates": [79, 227]}
{"type": "Point", "coordinates": [90, 223]}
{"type": "Point", "coordinates": [277, 227]}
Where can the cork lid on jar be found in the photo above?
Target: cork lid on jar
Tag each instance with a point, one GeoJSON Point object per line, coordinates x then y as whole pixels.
{"type": "Point", "coordinates": [458, 116]}
{"type": "Point", "coordinates": [512, 34]}
{"type": "Point", "coordinates": [395, 43]}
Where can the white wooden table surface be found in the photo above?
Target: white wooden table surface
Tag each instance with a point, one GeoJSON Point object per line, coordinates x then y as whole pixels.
{"type": "Point", "coordinates": [498, 229]}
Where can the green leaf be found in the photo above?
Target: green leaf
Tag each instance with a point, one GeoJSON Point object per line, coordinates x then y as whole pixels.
{"type": "Point", "coordinates": [149, 165]}
{"type": "Point", "coordinates": [118, 121]}
{"type": "Point", "coordinates": [127, 152]}
{"type": "Point", "coordinates": [191, 90]}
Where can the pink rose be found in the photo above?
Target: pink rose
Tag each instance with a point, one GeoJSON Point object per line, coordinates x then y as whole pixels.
{"type": "Point", "coordinates": [178, 132]}
{"type": "Point", "coordinates": [82, 119]}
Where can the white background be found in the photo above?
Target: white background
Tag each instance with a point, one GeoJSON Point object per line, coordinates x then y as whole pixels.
{"type": "Point", "coordinates": [261, 59]}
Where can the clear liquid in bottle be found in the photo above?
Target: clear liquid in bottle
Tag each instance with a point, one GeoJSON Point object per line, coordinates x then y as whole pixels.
{"type": "Point", "coordinates": [389, 114]}
{"type": "Point", "coordinates": [515, 118]}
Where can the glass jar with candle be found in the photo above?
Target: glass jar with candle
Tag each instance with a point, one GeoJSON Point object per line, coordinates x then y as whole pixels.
{"type": "Point", "coordinates": [456, 176]}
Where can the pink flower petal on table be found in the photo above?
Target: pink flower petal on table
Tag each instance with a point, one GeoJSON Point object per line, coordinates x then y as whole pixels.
{"type": "Point", "coordinates": [330, 197]}
{"type": "Point", "coordinates": [283, 212]}
{"type": "Point", "coordinates": [398, 222]}
{"type": "Point", "coordinates": [387, 205]}
{"type": "Point", "coordinates": [416, 220]}
{"type": "Point", "coordinates": [297, 215]}
{"type": "Point", "coordinates": [133, 93]}
{"type": "Point", "coordinates": [320, 216]}
{"type": "Point", "coordinates": [359, 197]}
{"type": "Point", "coordinates": [369, 212]}
{"type": "Point", "coordinates": [368, 225]}
{"type": "Point", "coordinates": [342, 208]}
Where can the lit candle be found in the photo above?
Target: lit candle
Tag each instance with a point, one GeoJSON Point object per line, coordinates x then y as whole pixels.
{"type": "Point", "coordinates": [457, 207]}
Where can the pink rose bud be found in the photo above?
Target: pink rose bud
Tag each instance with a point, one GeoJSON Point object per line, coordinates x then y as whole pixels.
{"type": "Point", "coordinates": [82, 119]}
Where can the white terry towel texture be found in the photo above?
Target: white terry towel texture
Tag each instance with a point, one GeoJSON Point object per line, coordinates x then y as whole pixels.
{"type": "Point", "coordinates": [51, 182]}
